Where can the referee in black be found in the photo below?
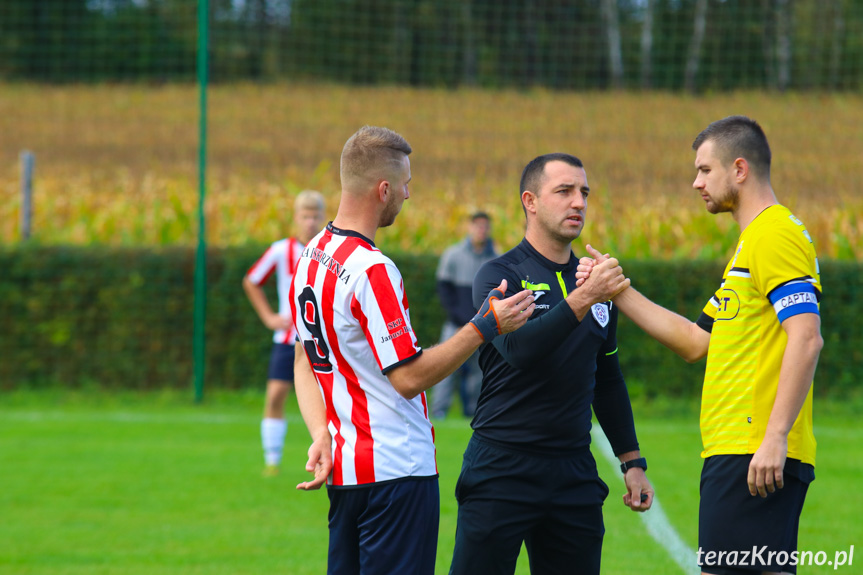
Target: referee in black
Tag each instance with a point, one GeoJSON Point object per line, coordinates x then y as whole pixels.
{"type": "Point", "coordinates": [528, 474]}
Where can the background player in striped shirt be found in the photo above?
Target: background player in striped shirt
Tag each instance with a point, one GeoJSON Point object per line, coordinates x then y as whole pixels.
{"type": "Point", "coordinates": [280, 258]}
{"type": "Point", "coordinates": [361, 375]}
{"type": "Point", "coordinates": [761, 333]}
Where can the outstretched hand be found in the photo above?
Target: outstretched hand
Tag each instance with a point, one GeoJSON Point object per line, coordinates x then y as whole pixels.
{"type": "Point", "coordinates": [320, 463]}
{"type": "Point", "coordinates": [498, 316]}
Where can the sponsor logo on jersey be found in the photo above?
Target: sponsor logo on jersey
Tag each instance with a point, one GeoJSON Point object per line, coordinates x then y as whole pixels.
{"type": "Point", "coordinates": [392, 336]}
{"type": "Point", "coordinates": [396, 328]}
{"type": "Point", "coordinates": [729, 305]}
{"type": "Point", "coordinates": [539, 290]}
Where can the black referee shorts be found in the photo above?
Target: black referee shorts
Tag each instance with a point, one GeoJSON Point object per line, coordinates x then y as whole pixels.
{"type": "Point", "coordinates": [552, 504]}
{"type": "Point", "coordinates": [739, 533]}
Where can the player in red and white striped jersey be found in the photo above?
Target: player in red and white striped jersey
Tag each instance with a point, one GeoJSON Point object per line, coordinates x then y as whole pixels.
{"type": "Point", "coordinates": [352, 316]}
{"type": "Point", "coordinates": [361, 375]}
{"type": "Point", "coordinates": [281, 259]}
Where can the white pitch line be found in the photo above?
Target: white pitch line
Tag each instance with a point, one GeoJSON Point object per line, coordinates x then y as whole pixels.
{"type": "Point", "coordinates": [655, 520]}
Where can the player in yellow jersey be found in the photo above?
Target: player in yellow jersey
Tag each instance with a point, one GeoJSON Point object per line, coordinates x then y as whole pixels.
{"type": "Point", "coordinates": [761, 333]}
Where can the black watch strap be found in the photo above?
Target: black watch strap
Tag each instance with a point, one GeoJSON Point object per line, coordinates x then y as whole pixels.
{"type": "Point", "coordinates": [627, 465]}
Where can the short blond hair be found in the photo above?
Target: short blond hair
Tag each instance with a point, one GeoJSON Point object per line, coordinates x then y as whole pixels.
{"type": "Point", "coordinates": [309, 200]}
{"type": "Point", "coordinates": [372, 154]}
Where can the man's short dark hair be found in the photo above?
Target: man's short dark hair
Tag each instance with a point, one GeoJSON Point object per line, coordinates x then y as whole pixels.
{"type": "Point", "coordinates": [479, 216]}
{"type": "Point", "coordinates": [738, 137]}
{"type": "Point", "coordinates": [531, 177]}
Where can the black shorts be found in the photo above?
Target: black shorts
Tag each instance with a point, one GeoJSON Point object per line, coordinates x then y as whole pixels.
{"type": "Point", "coordinates": [282, 362]}
{"type": "Point", "coordinates": [507, 497]}
{"type": "Point", "coordinates": [739, 533]}
{"type": "Point", "coordinates": [384, 528]}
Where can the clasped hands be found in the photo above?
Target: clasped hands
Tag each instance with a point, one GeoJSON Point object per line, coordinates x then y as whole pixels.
{"type": "Point", "coordinates": [601, 275]}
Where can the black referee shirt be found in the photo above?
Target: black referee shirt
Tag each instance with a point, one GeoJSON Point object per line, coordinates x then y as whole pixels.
{"type": "Point", "coordinates": [540, 381]}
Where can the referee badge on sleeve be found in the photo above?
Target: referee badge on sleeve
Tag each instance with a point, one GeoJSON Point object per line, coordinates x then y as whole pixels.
{"type": "Point", "coordinates": [600, 314]}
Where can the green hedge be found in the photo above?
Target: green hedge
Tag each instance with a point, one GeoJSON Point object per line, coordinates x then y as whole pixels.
{"type": "Point", "coordinates": [122, 318]}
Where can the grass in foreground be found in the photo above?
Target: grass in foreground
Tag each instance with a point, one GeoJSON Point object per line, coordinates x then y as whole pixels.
{"type": "Point", "coordinates": [151, 484]}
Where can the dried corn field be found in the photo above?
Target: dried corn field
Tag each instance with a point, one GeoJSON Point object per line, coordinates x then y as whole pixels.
{"type": "Point", "coordinates": [118, 164]}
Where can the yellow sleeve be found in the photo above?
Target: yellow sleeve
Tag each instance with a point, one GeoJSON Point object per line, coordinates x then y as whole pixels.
{"type": "Point", "coordinates": [782, 255]}
{"type": "Point", "coordinates": [710, 308]}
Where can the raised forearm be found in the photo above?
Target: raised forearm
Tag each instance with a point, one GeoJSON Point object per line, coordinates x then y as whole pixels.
{"type": "Point", "coordinates": [435, 363]}
{"type": "Point", "coordinates": [673, 331]}
{"type": "Point", "coordinates": [538, 339]}
{"type": "Point", "coordinates": [497, 315]}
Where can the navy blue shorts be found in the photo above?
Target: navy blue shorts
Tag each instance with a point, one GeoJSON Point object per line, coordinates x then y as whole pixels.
{"type": "Point", "coordinates": [282, 362]}
{"type": "Point", "coordinates": [384, 528]}
{"type": "Point", "coordinates": [739, 533]}
{"type": "Point", "coordinates": [551, 504]}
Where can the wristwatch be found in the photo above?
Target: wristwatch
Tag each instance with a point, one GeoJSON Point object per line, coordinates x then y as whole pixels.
{"type": "Point", "coordinates": [627, 465]}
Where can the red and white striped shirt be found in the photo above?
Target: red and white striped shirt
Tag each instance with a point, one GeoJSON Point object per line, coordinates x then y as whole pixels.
{"type": "Point", "coordinates": [281, 257]}
{"type": "Point", "coordinates": [351, 313]}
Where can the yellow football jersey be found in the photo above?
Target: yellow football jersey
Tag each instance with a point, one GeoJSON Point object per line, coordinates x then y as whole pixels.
{"type": "Point", "coordinates": [773, 275]}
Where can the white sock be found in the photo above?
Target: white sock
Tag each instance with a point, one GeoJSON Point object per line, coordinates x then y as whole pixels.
{"type": "Point", "coordinates": [273, 439]}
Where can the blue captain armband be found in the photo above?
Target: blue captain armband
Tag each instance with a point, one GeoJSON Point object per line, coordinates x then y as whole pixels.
{"type": "Point", "coordinates": [794, 298]}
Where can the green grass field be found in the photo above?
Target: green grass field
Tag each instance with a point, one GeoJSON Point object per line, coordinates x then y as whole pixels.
{"type": "Point", "coordinates": [92, 483]}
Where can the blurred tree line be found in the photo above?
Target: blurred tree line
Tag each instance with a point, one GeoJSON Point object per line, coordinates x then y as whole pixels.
{"type": "Point", "coordinates": [691, 45]}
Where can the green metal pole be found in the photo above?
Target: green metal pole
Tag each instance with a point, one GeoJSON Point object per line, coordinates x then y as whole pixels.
{"type": "Point", "coordinates": [201, 256]}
